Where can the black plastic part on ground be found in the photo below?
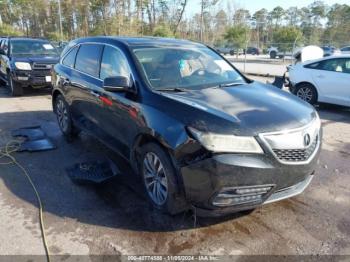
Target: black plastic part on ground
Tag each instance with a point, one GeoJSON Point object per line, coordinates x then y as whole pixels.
{"type": "Point", "coordinates": [37, 145]}
{"type": "Point", "coordinates": [92, 172]}
{"type": "Point", "coordinates": [31, 133]}
{"type": "Point", "coordinates": [36, 139]}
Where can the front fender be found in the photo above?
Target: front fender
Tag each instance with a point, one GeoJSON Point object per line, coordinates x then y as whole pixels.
{"type": "Point", "coordinates": [168, 131]}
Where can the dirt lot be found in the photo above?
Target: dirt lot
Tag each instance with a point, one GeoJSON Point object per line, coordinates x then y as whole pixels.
{"type": "Point", "coordinates": [115, 218]}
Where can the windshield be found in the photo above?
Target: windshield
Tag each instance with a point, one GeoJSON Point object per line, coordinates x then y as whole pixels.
{"type": "Point", "coordinates": [185, 68]}
{"type": "Point", "coordinates": [32, 47]}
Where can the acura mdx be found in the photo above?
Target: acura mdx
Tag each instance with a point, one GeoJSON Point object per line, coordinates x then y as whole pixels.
{"type": "Point", "coordinates": [198, 132]}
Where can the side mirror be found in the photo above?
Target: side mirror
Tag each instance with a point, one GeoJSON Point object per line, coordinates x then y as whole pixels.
{"type": "Point", "coordinates": [117, 84]}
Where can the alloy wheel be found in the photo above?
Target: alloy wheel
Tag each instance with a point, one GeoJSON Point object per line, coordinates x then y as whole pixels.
{"type": "Point", "coordinates": [62, 115]}
{"type": "Point", "coordinates": [155, 178]}
{"type": "Point", "coordinates": [305, 93]}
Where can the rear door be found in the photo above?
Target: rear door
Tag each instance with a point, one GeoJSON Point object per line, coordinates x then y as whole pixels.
{"type": "Point", "coordinates": [332, 77]}
{"type": "Point", "coordinates": [86, 87]}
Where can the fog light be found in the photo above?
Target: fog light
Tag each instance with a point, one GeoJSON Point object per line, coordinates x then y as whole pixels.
{"type": "Point", "coordinates": [242, 195]}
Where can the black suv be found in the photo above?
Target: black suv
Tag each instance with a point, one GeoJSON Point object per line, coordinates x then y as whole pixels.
{"type": "Point", "coordinates": [197, 131]}
{"type": "Point", "coordinates": [26, 62]}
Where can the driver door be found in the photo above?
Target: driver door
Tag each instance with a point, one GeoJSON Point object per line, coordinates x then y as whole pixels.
{"type": "Point", "coordinates": [119, 117]}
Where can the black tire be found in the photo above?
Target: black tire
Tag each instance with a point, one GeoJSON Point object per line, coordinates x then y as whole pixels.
{"type": "Point", "coordinates": [306, 92]}
{"type": "Point", "coordinates": [14, 88]}
{"type": "Point", "coordinates": [64, 118]}
{"type": "Point", "coordinates": [172, 203]}
{"type": "Point", "coordinates": [273, 54]}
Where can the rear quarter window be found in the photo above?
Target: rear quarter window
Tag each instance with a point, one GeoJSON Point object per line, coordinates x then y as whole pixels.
{"type": "Point", "coordinates": [69, 59]}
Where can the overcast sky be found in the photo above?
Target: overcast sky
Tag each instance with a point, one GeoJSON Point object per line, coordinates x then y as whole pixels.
{"type": "Point", "coordinates": [254, 5]}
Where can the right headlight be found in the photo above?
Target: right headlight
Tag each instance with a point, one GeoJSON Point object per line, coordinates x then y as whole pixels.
{"type": "Point", "coordinates": [227, 143]}
{"type": "Point", "coordinates": [23, 66]}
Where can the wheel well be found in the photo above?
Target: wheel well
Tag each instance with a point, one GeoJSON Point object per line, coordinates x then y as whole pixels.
{"type": "Point", "coordinates": [306, 83]}
{"type": "Point", "coordinates": [142, 140]}
{"type": "Point", "coordinates": [54, 96]}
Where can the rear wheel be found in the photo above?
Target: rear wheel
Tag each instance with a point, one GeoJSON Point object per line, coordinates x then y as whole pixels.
{"type": "Point", "coordinates": [64, 118]}
{"type": "Point", "coordinates": [306, 92]}
{"type": "Point", "coordinates": [15, 89]}
{"type": "Point", "coordinates": [273, 54]}
{"type": "Point", "coordinates": [159, 178]}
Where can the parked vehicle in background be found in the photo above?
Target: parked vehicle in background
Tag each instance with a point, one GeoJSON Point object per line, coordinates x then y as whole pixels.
{"type": "Point", "coordinates": [26, 62]}
{"type": "Point", "coordinates": [197, 131]}
{"type": "Point", "coordinates": [345, 50]}
{"type": "Point", "coordinates": [273, 53]}
{"type": "Point", "coordinates": [253, 51]}
{"type": "Point", "coordinates": [225, 50]}
{"type": "Point", "coordinates": [330, 50]}
{"type": "Point", "coordinates": [322, 80]}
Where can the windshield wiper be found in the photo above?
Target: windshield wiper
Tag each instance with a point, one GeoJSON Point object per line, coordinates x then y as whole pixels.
{"type": "Point", "coordinates": [175, 89]}
{"type": "Point", "coordinates": [231, 84]}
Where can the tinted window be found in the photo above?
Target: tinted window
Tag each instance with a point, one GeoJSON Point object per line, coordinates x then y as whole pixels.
{"type": "Point", "coordinates": [88, 59]}
{"type": "Point", "coordinates": [4, 45]}
{"type": "Point", "coordinates": [340, 65]}
{"type": "Point", "coordinates": [114, 63]}
{"type": "Point", "coordinates": [69, 60]}
{"type": "Point", "coordinates": [313, 65]}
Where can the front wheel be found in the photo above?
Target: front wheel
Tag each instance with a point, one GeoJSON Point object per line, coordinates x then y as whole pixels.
{"type": "Point", "coordinates": [14, 88]}
{"type": "Point", "coordinates": [159, 178]}
{"type": "Point", "coordinates": [307, 93]}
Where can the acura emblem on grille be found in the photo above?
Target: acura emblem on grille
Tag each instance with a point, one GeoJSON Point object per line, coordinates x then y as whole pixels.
{"type": "Point", "coordinates": [307, 140]}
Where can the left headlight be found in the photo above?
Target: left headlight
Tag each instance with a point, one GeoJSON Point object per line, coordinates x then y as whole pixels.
{"type": "Point", "coordinates": [23, 66]}
{"type": "Point", "coordinates": [227, 143]}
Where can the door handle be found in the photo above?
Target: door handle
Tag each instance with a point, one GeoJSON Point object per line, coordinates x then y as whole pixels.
{"type": "Point", "coordinates": [320, 76]}
{"type": "Point", "coordinates": [94, 93]}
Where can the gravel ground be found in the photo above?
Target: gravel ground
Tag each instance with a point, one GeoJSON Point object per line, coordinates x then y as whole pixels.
{"type": "Point", "coordinates": [114, 218]}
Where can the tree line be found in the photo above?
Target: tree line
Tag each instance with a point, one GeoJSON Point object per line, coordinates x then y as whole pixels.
{"type": "Point", "coordinates": [215, 23]}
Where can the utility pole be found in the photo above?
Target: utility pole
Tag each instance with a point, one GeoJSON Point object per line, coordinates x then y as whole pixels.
{"type": "Point", "coordinates": [60, 17]}
{"type": "Point", "coordinates": [202, 20]}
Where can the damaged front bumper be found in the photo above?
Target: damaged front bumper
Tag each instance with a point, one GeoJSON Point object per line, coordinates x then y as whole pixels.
{"type": "Point", "coordinates": [228, 183]}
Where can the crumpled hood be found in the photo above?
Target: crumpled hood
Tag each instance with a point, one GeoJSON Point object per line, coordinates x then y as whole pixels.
{"type": "Point", "coordinates": [242, 110]}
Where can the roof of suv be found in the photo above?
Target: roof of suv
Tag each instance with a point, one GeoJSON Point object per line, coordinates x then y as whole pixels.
{"type": "Point", "coordinates": [141, 41]}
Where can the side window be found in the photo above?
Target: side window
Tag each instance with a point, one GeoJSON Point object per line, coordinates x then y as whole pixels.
{"type": "Point", "coordinates": [88, 59]}
{"type": "Point", "coordinates": [313, 65]}
{"type": "Point", "coordinates": [114, 63]}
{"type": "Point", "coordinates": [4, 45]}
{"type": "Point", "coordinates": [69, 60]}
{"type": "Point", "coordinates": [334, 65]}
{"type": "Point", "coordinates": [347, 66]}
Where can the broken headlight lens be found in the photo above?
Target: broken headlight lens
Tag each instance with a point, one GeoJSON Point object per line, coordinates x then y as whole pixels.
{"type": "Point", "coordinates": [227, 143]}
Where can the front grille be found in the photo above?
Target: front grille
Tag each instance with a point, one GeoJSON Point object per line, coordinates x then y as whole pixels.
{"type": "Point", "coordinates": [42, 66]}
{"type": "Point", "coordinates": [41, 73]}
{"type": "Point", "coordinates": [296, 155]}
